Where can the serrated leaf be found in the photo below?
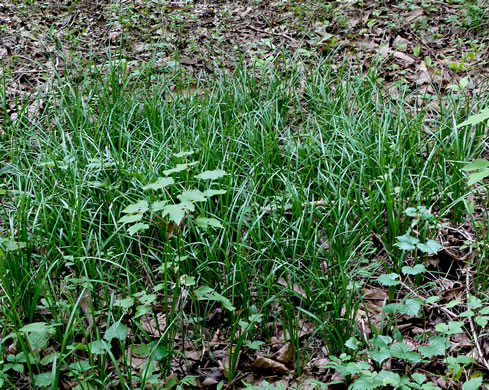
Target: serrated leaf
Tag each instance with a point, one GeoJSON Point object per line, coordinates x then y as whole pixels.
{"type": "Point", "coordinates": [472, 384]}
{"type": "Point", "coordinates": [418, 378]}
{"type": "Point", "coordinates": [137, 228]}
{"type": "Point", "coordinates": [437, 347]}
{"type": "Point", "coordinates": [388, 279]}
{"type": "Point", "coordinates": [430, 247]}
{"type": "Point", "coordinates": [99, 347]}
{"type": "Point", "coordinates": [473, 302]}
{"type": "Point", "coordinates": [380, 356]}
{"type": "Point", "coordinates": [452, 327]}
{"type": "Point", "coordinates": [476, 165]}
{"type": "Point", "coordinates": [159, 184]}
{"type": "Point", "coordinates": [208, 222]}
{"type": "Point", "coordinates": [352, 343]}
{"type": "Point", "coordinates": [139, 207]}
{"type": "Point", "coordinates": [211, 192]}
{"type": "Point", "coordinates": [12, 245]}
{"type": "Point", "coordinates": [475, 119]}
{"type": "Point", "coordinates": [477, 177]}
{"type": "Point", "coordinates": [45, 379]}
{"type": "Point", "coordinates": [381, 341]}
{"type": "Point", "coordinates": [116, 331]}
{"type": "Point", "coordinates": [410, 307]}
{"type": "Point", "coordinates": [481, 321]}
{"type": "Point", "coordinates": [179, 168]}
{"type": "Point", "coordinates": [192, 196]}
{"type": "Point", "coordinates": [211, 175]}
{"type": "Point", "coordinates": [130, 218]}
{"type": "Point", "coordinates": [453, 303]}
{"type": "Point", "coordinates": [158, 206]}
{"type": "Point", "coordinates": [416, 270]}
{"type": "Point", "coordinates": [177, 212]}
{"type": "Point", "coordinates": [406, 242]}
{"type": "Point", "coordinates": [187, 281]}
{"type": "Point", "coordinates": [125, 303]}
{"type": "Point", "coordinates": [432, 299]}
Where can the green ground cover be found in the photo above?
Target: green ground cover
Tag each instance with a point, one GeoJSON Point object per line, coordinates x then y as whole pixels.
{"type": "Point", "coordinates": [280, 222]}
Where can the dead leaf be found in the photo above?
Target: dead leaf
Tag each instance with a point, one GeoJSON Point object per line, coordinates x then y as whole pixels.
{"type": "Point", "coordinates": [285, 354]}
{"type": "Point", "coordinates": [414, 14]}
{"type": "Point", "coordinates": [269, 365]}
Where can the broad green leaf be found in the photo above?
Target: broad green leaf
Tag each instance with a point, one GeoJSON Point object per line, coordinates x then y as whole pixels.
{"type": "Point", "coordinates": [388, 378]}
{"type": "Point", "coordinates": [473, 302]}
{"type": "Point", "coordinates": [437, 347]}
{"type": "Point", "coordinates": [453, 303]}
{"type": "Point", "coordinates": [477, 177]}
{"type": "Point", "coordinates": [476, 165]}
{"type": "Point", "coordinates": [467, 313]}
{"type": "Point", "coordinates": [404, 351]}
{"type": "Point", "coordinates": [187, 281]}
{"type": "Point", "coordinates": [381, 341]}
{"type": "Point", "coordinates": [381, 355]}
{"type": "Point", "coordinates": [452, 327]}
{"type": "Point", "coordinates": [179, 168]}
{"type": "Point", "coordinates": [125, 303]}
{"type": "Point", "coordinates": [352, 343]}
{"type": "Point", "coordinates": [211, 175]}
{"type": "Point", "coordinates": [192, 196]}
{"type": "Point", "coordinates": [475, 119]}
{"type": "Point", "coordinates": [48, 359]}
{"type": "Point", "coordinates": [208, 222]}
{"type": "Point", "coordinates": [12, 245]}
{"type": "Point", "coordinates": [388, 279]}
{"type": "Point", "coordinates": [417, 269]}
{"type": "Point", "coordinates": [207, 293]}
{"type": "Point", "coordinates": [130, 218]}
{"type": "Point", "coordinates": [484, 310]}
{"type": "Point", "coordinates": [44, 380]}
{"type": "Point", "coordinates": [254, 345]}
{"type": "Point", "coordinates": [99, 347]}
{"type": "Point", "coordinates": [137, 228]}
{"type": "Point", "coordinates": [430, 247]}
{"type": "Point", "coordinates": [411, 307]}
{"type": "Point", "coordinates": [116, 331]}
{"type": "Point", "coordinates": [34, 327]}
{"type": "Point", "coordinates": [37, 334]}
{"type": "Point", "coordinates": [177, 212]}
{"type": "Point", "coordinates": [432, 299]}
{"type": "Point", "coordinates": [158, 206]}
{"type": "Point", "coordinates": [406, 242]}
{"type": "Point", "coordinates": [184, 154]}
{"type": "Point", "coordinates": [159, 184]}
{"type": "Point", "coordinates": [481, 321]}
{"type": "Point", "coordinates": [140, 207]}
{"type": "Point", "coordinates": [418, 378]}
{"type": "Point", "coordinates": [211, 192]}
{"type": "Point", "coordinates": [472, 384]}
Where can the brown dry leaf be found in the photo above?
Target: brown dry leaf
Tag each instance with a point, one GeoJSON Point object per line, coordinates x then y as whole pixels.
{"type": "Point", "coordinates": [297, 288]}
{"type": "Point", "coordinates": [269, 365]}
{"type": "Point", "coordinates": [285, 354]}
{"type": "Point", "coordinates": [154, 327]}
{"type": "Point", "coordinates": [414, 14]}
{"type": "Point", "coordinates": [404, 57]}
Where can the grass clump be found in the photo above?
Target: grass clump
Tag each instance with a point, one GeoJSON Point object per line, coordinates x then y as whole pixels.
{"type": "Point", "coordinates": [119, 258]}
